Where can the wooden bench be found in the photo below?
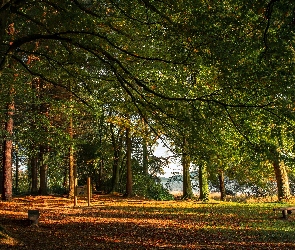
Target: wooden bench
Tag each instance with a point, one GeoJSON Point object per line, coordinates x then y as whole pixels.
{"type": "Point", "coordinates": [285, 210]}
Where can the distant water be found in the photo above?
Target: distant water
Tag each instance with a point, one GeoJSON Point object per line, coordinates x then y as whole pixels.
{"type": "Point", "coordinates": [175, 186]}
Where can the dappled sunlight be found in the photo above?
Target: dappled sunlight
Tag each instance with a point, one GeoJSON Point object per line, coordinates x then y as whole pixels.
{"type": "Point", "coordinates": [141, 224]}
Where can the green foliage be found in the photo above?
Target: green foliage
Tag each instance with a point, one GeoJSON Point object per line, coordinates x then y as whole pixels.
{"type": "Point", "coordinates": [219, 73]}
{"type": "Point", "coordinates": [150, 187]}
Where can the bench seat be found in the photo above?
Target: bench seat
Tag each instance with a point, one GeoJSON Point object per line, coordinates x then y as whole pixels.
{"type": "Point", "coordinates": [285, 210]}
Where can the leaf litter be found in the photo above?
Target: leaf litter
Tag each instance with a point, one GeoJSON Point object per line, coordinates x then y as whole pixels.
{"type": "Point", "coordinates": [112, 222]}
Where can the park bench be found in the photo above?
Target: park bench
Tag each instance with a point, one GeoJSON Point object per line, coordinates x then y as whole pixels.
{"type": "Point", "coordinates": [285, 210]}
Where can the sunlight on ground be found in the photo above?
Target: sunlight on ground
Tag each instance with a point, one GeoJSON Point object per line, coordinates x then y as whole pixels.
{"type": "Point", "coordinates": [112, 222]}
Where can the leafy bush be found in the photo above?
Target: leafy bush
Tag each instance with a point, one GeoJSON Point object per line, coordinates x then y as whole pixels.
{"type": "Point", "coordinates": [150, 187]}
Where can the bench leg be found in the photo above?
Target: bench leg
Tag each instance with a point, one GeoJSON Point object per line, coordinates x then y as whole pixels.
{"type": "Point", "coordinates": [284, 212]}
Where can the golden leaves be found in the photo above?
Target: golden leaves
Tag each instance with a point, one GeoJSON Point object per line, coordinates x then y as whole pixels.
{"type": "Point", "coordinates": [113, 222]}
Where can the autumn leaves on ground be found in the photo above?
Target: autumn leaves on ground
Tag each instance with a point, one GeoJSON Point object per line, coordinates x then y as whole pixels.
{"type": "Point", "coordinates": [116, 223]}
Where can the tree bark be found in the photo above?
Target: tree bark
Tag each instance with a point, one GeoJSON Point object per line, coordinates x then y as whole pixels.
{"type": "Point", "coordinates": [16, 171]}
{"type": "Point", "coordinates": [71, 173]}
{"type": "Point", "coordinates": [44, 148]}
{"type": "Point", "coordinates": [283, 188]}
{"type": "Point", "coordinates": [282, 180]}
{"type": "Point", "coordinates": [187, 186]}
{"type": "Point", "coordinates": [221, 185]}
{"type": "Point", "coordinates": [7, 156]}
{"type": "Point", "coordinates": [43, 170]}
{"type": "Point", "coordinates": [129, 191]}
{"type": "Point", "coordinates": [203, 183]}
{"type": "Point", "coordinates": [117, 151]}
{"type": "Point", "coordinates": [145, 157]}
{"type": "Point", "coordinates": [34, 174]}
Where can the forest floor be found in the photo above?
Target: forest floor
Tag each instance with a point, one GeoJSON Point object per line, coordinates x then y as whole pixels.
{"type": "Point", "coordinates": [112, 222]}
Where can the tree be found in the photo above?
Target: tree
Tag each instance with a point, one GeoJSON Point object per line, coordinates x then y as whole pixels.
{"type": "Point", "coordinates": [7, 157]}
{"type": "Point", "coordinates": [163, 58]}
{"type": "Point", "coordinates": [129, 191]}
{"type": "Point", "coordinates": [187, 187]}
{"type": "Point", "coordinates": [203, 182]}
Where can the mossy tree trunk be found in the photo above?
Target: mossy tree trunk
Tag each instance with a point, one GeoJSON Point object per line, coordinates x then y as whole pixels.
{"type": "Point", "coordinates": [282, 180]}
{"type": "Point", "coordinates": [203, 183]}
{"type": "Point", "coordinates": [283, 187]}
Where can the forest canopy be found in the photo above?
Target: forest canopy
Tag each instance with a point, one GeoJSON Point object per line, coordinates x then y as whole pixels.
{"type": "Point", "coordinates": [88, 88]}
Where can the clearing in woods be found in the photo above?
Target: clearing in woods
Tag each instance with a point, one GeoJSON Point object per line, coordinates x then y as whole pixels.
{"type": "Point", "coordinates": [112, 222]}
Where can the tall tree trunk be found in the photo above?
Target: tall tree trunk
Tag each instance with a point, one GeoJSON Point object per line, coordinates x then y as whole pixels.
{"type": "Point", "coordinates": [117, 152]}
{"type": "Point", "coordinates": [16, 170]}
{"type": "Point", "coordinates": [44, 148]}
{"type": "Point", "coordinates": [129, 192]}
{"type": "Point", "coordinates": [145, 157]}
{"type": "Point", "coordinates": [34, 174]}
{"type": "Point", "coordinates": [221, 185]}
{"type": "Point", "coordinates": [43, 170]}
{"type": "Point", "coordinates": [72, 166]}
{"type": "Point", "coordinates": [203, 183]}
{"type": "Point", "coordinates": [71, 172]}
{"type": "Point", "coordinates": [7, 156]}
{"type": "Point", "coordinates": [34, 157]}
{"type": "Point", "coordinates": [187, 186]}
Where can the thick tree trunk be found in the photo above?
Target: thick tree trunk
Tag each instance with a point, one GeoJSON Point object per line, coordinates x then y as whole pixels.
{"type": "Point", "coordinates": [187, 186]}
{"type": "Point", "coordinates": [129, 191]}
{"type": "Point", "coordinates": [282, 180]}
{"type": "Point", "coordinates": [221, 185]}
{"type": "Point", "coordinates": [203, 183]}
{"type": "Point", "coordinates": [281, 175]}
{"type": "Point", "coordinates": [7, 156]}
